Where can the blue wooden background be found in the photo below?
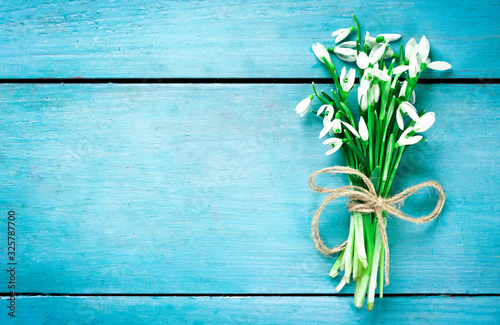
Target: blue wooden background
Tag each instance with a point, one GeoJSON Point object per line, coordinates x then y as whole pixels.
{"type": "Point", "coordinates": [188, 202]}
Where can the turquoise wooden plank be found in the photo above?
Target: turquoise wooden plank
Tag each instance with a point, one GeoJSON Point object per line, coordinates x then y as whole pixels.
{"type": "Point", "coordinates": [238, 39]}
{"type": "Point", "coordinates": [253, 310]}
{"type": "Point", "coordinates": [159, 189]}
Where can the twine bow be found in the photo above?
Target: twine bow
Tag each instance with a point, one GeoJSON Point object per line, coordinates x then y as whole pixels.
{"type": "Point", "coordinates": [367, 201]}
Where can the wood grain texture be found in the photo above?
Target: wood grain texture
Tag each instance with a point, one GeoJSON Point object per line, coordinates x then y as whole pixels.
{"type": "Point", "coordinates": [254, 310]}
{"type": "Point", "coordinates": [162, 189]}
{"type": "Point", "coordinates": [229, 38]}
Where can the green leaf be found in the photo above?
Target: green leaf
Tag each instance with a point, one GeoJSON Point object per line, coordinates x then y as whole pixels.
{"type": "Point", "coordinates": [321, 98]}
{"type": "Point", "coordinates": [375, 178]}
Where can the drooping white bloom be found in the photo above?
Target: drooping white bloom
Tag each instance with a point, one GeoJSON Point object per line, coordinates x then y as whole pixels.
{"type": "Point", "coordinates": [406, 108]}
{"type": "Point", "coordinates": [323, 107]}
{"type": "Point", "coordinates": [321, 52]}
{"type": "Point", "coordinates": [347, 80]}
{"type": "Point", "coordinates": [334, 143]}
{"type": "Point", "coordinates": [337, 125]}
{"type": "Point", "coordinates": [439, 65]}
{"type": "Point", "coordinates": [376, 72]}
{"type": "Point", "coordinates": [363, 130]}
{"type": "Point", "coordinates": [406, 140]}
{"type": "Point", "coordinates": [390, 37]}
{"type": "Point", "coordinates": [303, 106]}
{"type": "Point", "coordinates": [362, 60]}
{"type": "Point", "coordinates": [345, 53]}
{"type": "Point", "coordinates": [370, 41]}
{"type": "Point", "coordinates": [425, 122]}
{"type": "Point", "coordinates": [342, 33]}
{"type": "Point", "coordinates": [351, 128]}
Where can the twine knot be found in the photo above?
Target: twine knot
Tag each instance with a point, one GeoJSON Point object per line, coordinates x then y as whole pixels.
{"type": "Point", "coordinates": [367, 201]}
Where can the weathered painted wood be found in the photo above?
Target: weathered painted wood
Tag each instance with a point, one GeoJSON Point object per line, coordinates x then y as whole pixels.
{"type": "Point", "coordinates": [225, 38]}
{"type": "Point", "coordinates": [203, 189]}
{"type": "Point", "coordinates": [252, 310]}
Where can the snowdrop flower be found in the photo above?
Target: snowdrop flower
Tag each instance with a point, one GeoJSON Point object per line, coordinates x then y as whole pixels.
{"type": "Point", "coordinates": [321, 52]}
{"type": "Point", "coordinates": [376, 72]}
{"type": "Point", "coordinates": [334, 143]}
{"type": "Point", "coordinates": [370, 41]}
{"type": "Point", "coordinates": [303, 106]}
{"type": "Point", "coordinates": [345, 53]}
{"type": "Point", "coordinates": [347, 80]}
{"type": "Point", "coordinates": [342, 33]}
{"type": "Point", "coordinates": [407, 108]}
{"type": "Point", "coordinates": [390, 37]}
{"type": "Point", "coordinates": [351, 128]}
{"type": "Point", "coordinates": [425, 122]}
{"type": "Point", "coordinates": [363, 130]}
{"type": "Point", "coordinates": [329, 108]}
{"type": "Point", "coordinates": [423, 51]}
{"type": "Point", "coordinates": [406, 140]}
{"type": "Point", "coordinates": [337, 125]}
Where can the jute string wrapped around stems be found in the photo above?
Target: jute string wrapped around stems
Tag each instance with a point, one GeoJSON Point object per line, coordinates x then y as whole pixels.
{"type": "Point", "coordinates": [367, 201]}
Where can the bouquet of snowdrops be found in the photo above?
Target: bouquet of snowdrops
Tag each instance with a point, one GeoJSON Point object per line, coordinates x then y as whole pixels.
{"type": "Point", "coordinates": [388, 125]}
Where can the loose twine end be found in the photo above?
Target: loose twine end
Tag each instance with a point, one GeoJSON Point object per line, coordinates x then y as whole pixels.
{"type": "Point", "coordinates": [367, 201]}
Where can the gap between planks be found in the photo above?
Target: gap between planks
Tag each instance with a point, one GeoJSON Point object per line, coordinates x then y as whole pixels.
{"type": "Point", "coordinates": [38, 294]}
{"type": "Point", "coordinates": [466, 81]}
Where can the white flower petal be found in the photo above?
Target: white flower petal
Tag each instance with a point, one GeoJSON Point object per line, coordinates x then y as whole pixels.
{"type": "Point", "coordinates": [423, 48]}
{"type": "Point", "coordinates": [321, 52]}
{"type": "Point", "coordinates": [376, 55]}
{"type": "Point", "coordinates": [413, 97]}
{"type": "Point", "coordinates": [345, 54]}
{"type": "Point", "coordinates": [329, 152]}
{"type": "Point", "coordinates": [363, 130]}
{"type": "Point", "coordinates": [410, 141]}
{"type": "Point", "coordinates": [410, 47]}
{"type": "Point", "coordinates": [402, 92]}
{"type": "Point", "coordinates": [382, 76]}
{"type": "Point", "coordinates": [425, 122]}
{"type": "Point", "coordinates": [414, 67]}
{"type": "Point", "coordinates": [362, 60]}
{"type": "Point", "coordinates": [303, 106]}
{"type": "Point", "coordinates": [351, 76]}
{"type": "Point", "coordinates": [321, 109]}
{"type": "Point", "coordinates": [351, 128]}
{"type": "Point", "coordinates": [399, 119]}
{"type": "Point", "coordinates": [338, 31]}
{"type": "Point", "coordinates": [409, 109]}
{"type": "Point", "coordinates": [335, 141]}
{"type": "Point", "coordinates": [391, 37]}
{"type": "Point", "coordinates": [439, 65]}
{"type": "Point", "coordinates": [325, 130]}
{"type": "Point", "coordinates": [348, 44]}
{"type": "Point", "coordinates": [400, 69]}
{"type": "Point", "coordinates": [336, 126]}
